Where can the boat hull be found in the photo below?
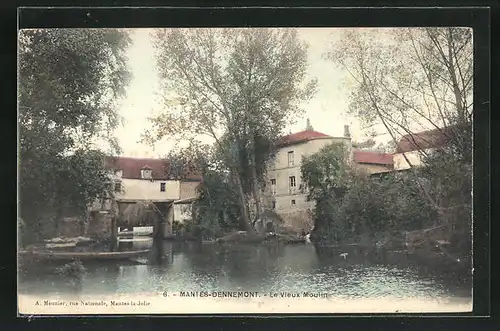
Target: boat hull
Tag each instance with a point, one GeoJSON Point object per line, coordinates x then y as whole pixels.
{"type": "Point", "coordinates": [82, 256]}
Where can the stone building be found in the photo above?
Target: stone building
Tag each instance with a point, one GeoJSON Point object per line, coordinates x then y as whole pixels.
{"type": "Point", "coordinates": [371, 163]}
{"type": "Point", "coordinates": [286, 193]}
{"type": "Point", "coordinates": [147, 181]}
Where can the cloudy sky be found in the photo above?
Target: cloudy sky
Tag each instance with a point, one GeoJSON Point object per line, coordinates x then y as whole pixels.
{"type": "Point", "coordinates": [326, 111]}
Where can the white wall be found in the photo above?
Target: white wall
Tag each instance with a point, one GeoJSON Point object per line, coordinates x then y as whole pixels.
{"type": "Point", "coordinates": [144, 189]}
{"type": "Point", "coordinates": [400, 161]}
{"type": "Point", "coordinates": [284, 202]}
{"type": "Point", "coordinates": [281, 172]}
{"type": "Point", "coordinates": [303, 149]}
{"type": "Point", "coordinates": [142, 230]}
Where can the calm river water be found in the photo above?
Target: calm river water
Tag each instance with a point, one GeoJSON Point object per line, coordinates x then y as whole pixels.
{"type": "Point", "coordinates": [177, 267]}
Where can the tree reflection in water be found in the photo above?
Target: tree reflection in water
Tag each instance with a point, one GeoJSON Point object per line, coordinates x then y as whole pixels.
{"type": "Point", "coordinates": [161, 253]}
{"type": "Point", "coordinates": [240, 265]}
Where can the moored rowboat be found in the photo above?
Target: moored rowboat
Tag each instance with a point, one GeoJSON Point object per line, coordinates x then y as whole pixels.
{"type": "Point", "coordinates": [37, 255]}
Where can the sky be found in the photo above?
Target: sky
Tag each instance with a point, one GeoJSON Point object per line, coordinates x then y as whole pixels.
{"type": "Point", "coordinates": [326, 110]}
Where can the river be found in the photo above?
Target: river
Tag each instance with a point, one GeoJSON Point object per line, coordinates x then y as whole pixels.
{"type": "Point", "coordinates": [180, 267]}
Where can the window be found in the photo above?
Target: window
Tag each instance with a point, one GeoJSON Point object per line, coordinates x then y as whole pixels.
{"type": "Point", "coordinates": [118, 186]}
{"type": "Point", "coordinates": [292, 184]}
{"type": "Point", "coordinates": [146, 173]}
{"type": "Point", "coordinates": [162, 187]}
{"type": "Point", "coordinates": [273, 186]}
{"type": "Point", "coordinates": [291, 159]}
{"type": "Point", "coordinates": [293, 202]}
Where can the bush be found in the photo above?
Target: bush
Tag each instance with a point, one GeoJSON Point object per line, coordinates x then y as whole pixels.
{"type": "Point", "coordinates": [350, 205]}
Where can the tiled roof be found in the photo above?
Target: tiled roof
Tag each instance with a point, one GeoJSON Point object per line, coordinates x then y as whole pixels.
{"type": "Point", "coordinates": [424, 140]}
{"type": "Point", "coordinates": [301, 136]}
{"type": "Point", "coordinates": [372, 157]}
{"type": "Point", "coordinates": [131, 167]}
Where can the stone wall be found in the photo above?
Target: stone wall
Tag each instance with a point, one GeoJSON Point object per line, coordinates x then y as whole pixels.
{"type": "Point", "coordinates": [167, 223]}
{"type": "Point", "coordinates": [298, 219]}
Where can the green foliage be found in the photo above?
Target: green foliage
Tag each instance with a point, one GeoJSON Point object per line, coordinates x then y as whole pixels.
{"type": "Point", "coordinates": [450, 182]}
{"type": "Point", "coordinates": [389, 204]}
{"type": "Point", "coordinates": [350, 204]}
{"type": "Point", "coordinates": [263, 150]}
{"type": "Point", "coordinates": [190, 161]}
{"type": "Point", "coordinates": [69, 80]}
{"type": "Point", "coordinates": [217, 208]}
{"type": "Point", "coordinates": [325, 172]}
{"type": "Point", "coordinates": [392, 203]}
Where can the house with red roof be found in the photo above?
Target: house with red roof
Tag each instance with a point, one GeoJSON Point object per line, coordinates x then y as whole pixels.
{"type": "Point", "coordinates": [286, 192]}
{"type": "Point", "coordinates": [413, 146]}
{"type": "Point", "coordinates": [150, 181]}
{"type": "Point", "coordinates": [371, 162]}
{"type": "Point", "coordinates": [141, 179]}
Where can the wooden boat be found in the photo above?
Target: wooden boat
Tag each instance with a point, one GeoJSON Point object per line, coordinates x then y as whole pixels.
{"type": "Point", "coordinates": [135, 239]}
{"type": "Point", "coordinates": [61, 246]}
{"type": "Point", "coordinates": [83, 256]}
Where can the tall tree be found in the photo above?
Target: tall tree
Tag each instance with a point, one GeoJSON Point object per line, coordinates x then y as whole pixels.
{"type": "Point", "coordinates": [410, 79]}
{"type": "Point", "coordinates": [192, 160]}
{"type": "Point", "coordinates": [69, 81]}
{"type": "Point", "coordinates": [240, 87]}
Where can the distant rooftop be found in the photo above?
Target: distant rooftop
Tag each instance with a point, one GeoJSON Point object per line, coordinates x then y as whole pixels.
{"type": "Point", "coordinates": [426, 139]}
{"type": "Point", "coordinates": [369, 157]}
{"type": "Point", "coordinates": [131, 167]}
{"type": "Point", "coordinates": [299, 137]}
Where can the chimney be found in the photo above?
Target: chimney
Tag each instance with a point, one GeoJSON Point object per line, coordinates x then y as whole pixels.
{"type": "Point", "coordinates": [309, 126]}
{"type": "Point", "coordinates": [347, 134]}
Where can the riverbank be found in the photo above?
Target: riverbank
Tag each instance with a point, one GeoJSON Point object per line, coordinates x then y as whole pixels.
{"type": "Point", "coordinates": [245, 237]}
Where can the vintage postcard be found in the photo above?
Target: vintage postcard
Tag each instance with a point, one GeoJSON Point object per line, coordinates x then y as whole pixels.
{"type": "Point", "coordinates": [245, 170]}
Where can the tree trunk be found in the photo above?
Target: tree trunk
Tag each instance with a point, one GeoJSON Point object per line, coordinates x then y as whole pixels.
{"type": "Point", "coordinates": [256, 193]}
{"type": "Point", "coordinates": [459, 100]}
{"type": "Point", "coordinates": [255, 181]}
{"type": "Point", "coordinates": [243, 203]}
{"type": "Point", "coordinates": [114, 233]}
{"type": "Point", "coordinates": [58, 220]}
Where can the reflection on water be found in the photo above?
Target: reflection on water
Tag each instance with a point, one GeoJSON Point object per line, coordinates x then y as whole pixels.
{"type": "Point", "coordinates": [266, 268]}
